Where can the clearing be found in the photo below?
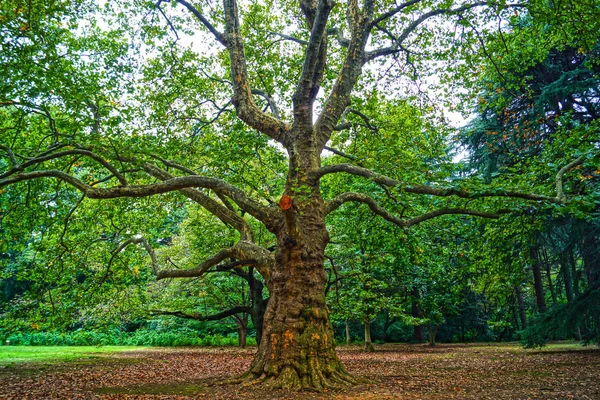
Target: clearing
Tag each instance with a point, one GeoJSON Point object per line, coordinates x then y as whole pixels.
{"type": "Point", "coordinates": [473, 371]}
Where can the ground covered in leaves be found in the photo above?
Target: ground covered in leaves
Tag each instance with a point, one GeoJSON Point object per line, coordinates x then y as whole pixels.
{"type": "Point", "coordinates": [478, 371]}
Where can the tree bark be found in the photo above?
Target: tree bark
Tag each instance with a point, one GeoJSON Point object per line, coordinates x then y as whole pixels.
{"type": "Point", "coordinates": [242, 327]}
{"type": "Point", "coordinates": [297, 349]}
{"type": "Point", "coordinates": [368, 343]}
{"type": "Point", "coordinates": [419, 331]}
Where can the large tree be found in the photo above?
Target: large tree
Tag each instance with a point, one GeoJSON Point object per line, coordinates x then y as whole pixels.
{"type": "Point", "coordinates": [71, 112]}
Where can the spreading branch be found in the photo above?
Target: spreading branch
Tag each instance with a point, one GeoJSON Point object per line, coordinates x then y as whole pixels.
{"type": "Point", "coordinates": [429, 190]}
{"type": "Point", "coordinates": [401, 222]}
{"type": "Point", "coordinates": [242, 93]}
{"type": "Point", "coordinates": [255, 255]}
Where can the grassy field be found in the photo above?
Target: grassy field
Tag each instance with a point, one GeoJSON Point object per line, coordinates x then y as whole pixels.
{"type": "Point", "coordinates": [10, 355]}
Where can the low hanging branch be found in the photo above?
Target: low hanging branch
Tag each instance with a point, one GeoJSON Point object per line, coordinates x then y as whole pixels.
{"type": "Point", "coordinates": [199, 317]}
{"type": "Point", "coordinates": [253, 254]}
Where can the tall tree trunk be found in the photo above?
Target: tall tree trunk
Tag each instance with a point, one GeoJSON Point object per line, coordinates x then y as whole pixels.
{"type": "Point", "coordinates": [259, 305]}
{"type": "Point", "coordinates": [521, 305]}
{"type": "Point", "coordinates": [590, 252]}
{"type": "Point", "coordinates": [549, 277]}
{"type": "Point", "coordinates": [540, 297]}
{"type": "Point", "coordinates": [419, 330]}
{"type": "Point", "coordinates": [348, 338]}
{"type": "Point", "coordinates": [297, 349]}
{"type": "Point", "coordinates": [242, 327]}
{"type": "Point", "coordinates": [568, 283]}
{"type": "Point", "coordinates": [368, 343]}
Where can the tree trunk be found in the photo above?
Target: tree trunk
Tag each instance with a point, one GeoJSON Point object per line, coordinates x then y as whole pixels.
{"type": "Point", "coordinates": [242, 328]}
{"type": "Point", "coordinates": [432, 331]}
{"type": "Point", "coordinates": [297, 349]}
{"type": "Point", "coordinates": [591, 255]}
{"type": "Point", "coordinates": [348, 338]}
{"type": "Point", "coordinates": [549, 278]}
{"type": "Point", "coordinates": [419, 330]}
{"type": "Point", "coordinates": [521, 305]}
{"type": "Point", "coordinates": [368, 343]}
{"type": "Point", "coordinates": [386, 326]}
{"type": "Point", "coordinates": [259, 305]}
{"type": "Point", "coordinates": [537, 280]}
{"type": "Point", "coordinates": [564, 268]}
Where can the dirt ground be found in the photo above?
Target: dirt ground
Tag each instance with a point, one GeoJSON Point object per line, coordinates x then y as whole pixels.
{"type": "Point", "coordinates": [478, 371]}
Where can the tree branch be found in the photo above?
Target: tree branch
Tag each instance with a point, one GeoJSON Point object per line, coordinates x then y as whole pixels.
{"type": "Point", "coordinates": [560, 194]}
{"type": "Point", "coordinates": [339, 98]}
{"type": "Point", "coordinates": [199, 317]}
{"type": "Point", "coordinates": [404, 223]}
{"type": "Point", "coordinates": [430, 190]}
{"type": "Point", "coordinates": [218, 35]}
{"type": "Point", "coordinates": [371, 55]}
{"type": "Point", "coordinates": [227, 216]}
{"type": "Point", "coordinates": [50, 156]}
{"type": "Point", "coordinates": [242, 250]}
{"type": "Point", "coordinates": [247, 204]}
{"type": "Point", "coordinates": [134, 240]}
{"type": "Point", "coordinates": [314, 61]}
{"type": "Point", "coordinates": [246, 109]}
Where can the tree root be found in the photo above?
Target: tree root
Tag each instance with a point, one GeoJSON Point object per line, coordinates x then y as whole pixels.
{"type": "Point", "coordinates": [290, 379]}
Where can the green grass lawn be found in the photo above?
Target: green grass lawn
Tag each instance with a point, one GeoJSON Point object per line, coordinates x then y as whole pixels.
{"type": "Point", "coordinates": [44, 354]}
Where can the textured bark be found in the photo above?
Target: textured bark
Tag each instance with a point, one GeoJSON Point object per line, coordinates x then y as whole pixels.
{"type": "Point", "coordinates": [368, 343]}
{"type": "Point", "coordinates": [297, 349]}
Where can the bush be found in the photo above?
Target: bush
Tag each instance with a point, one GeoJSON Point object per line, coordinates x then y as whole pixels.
{"type": "Point", "coordinates": [138, 338]}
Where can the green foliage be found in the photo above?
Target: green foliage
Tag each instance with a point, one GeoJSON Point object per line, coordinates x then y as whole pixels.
{"type": "Point", "coordinates": [137, 338]}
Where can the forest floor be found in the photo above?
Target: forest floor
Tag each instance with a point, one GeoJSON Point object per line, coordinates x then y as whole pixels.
{"type": "Point", "coordinates": [394, 371]}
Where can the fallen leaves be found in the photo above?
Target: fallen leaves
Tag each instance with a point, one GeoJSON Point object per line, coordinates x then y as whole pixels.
{"type": "Point", "coordinates": [394, 371]}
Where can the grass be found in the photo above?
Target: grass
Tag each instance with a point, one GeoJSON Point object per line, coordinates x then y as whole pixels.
{"type": "Point", "coordinates": [11, 355]}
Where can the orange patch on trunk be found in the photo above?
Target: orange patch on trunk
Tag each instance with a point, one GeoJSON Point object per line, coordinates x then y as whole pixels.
{"type": "Point", "coordinates": [285, 202]}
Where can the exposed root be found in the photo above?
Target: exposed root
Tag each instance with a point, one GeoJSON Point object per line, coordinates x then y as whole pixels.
{"type": "Point", "coordinates": [289, 379]}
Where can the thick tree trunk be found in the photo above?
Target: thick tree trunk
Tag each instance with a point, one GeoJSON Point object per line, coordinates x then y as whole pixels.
{"type": "Point", "coordinates": [419, 332]}
{"type": "Point", "coordinates": [297, 349]}
{"type": "Point", "coordinates": [368, 343]}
